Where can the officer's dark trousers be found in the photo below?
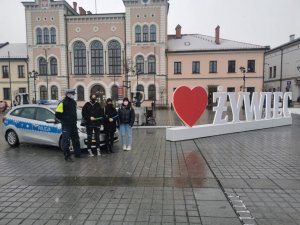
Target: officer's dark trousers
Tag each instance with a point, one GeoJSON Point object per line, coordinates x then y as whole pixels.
{"type": "Point", "coordinates": [90, 130]}
{"type": "Point", "coordinates": [70, 132]}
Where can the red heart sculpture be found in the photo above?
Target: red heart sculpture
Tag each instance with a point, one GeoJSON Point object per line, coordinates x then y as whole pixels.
{"type": "Point", "coordinates": [189, 104]}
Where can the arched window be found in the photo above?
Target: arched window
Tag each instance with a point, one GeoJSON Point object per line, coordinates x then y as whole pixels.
{"type": "Point", "coordinates": [140, 64]}
{"type": "Point", "coordinates": [46, 36]}
{"type": "Point", "coordinates": [138, 33]}
{"type": "Point", "coordinates": [145, 33]}
{"type": "Point", "coordinates": [80, 93]}
{"type": "Point", "coordinates": [53, 66]}
{"type": "Point", "coordinates": [140, 88]}
{"type": "Point", "coordinates": [39, 36]}
{"type": "Point", "coordinates": [114, 57]}
{"type": "Point", "coordinates": [153, 33]}
{"type": "Point", "coordinates": [114, 93]}
{"type": "Point", "coordinates": [54, 93]}
{"type": "Point", "coordinates": [79, 58]}
{"type": "Point", "coordinates": [152, 92]}
{"type": "Point", "coordinates": [151, 64]}
{"type": "Point", "coordinates": [97, 58]}
{"type": "Point", "coordinates": [43, 93]}
{"type": "Point", "coordinates": [42, 66]}
{"type": "Point", "coordinates": [53, 35]}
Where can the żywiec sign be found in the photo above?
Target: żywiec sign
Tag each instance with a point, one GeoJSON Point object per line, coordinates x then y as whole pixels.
{"type": "Point", "coordinates": [262, 110]}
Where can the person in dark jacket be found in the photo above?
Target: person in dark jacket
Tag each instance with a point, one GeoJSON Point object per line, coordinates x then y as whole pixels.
{"type": "Point", "coordinates": [126, 118]}
{"type": "Point", "coordinates": [66, 112]}
{"type": "Point", "coordinates": [92, 112]}
{"type": "Point", "coordinates": [110, 123]}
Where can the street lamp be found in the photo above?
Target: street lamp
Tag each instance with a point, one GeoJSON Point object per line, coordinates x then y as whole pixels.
{"type": "Point", "coordinates": [243, 70]}
{"type": "Point", "coordinates": [33, 74]}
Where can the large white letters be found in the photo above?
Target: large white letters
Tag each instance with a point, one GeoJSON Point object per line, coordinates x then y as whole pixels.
{"type": "Point", "coordinates": [259, 108]}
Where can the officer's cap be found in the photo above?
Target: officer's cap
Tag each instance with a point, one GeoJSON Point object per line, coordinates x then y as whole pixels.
{"type": "Point", "coordinates": [70, 91]}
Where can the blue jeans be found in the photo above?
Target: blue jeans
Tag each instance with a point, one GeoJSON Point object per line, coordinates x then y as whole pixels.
{"type": "Point", "coordinates": [126, 129]}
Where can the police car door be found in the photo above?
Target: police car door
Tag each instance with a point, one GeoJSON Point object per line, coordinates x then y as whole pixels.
{"type": "Point", "coordinates": [48, 133]}
{"type": "Point", "coordinates": [25, 121]}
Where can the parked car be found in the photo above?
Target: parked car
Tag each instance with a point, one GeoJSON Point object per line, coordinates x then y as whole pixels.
{"type": "Point", "coordinates": [36, 124]}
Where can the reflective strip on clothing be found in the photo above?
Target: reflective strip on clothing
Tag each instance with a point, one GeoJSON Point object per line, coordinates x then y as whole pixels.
{"type": "Point", "coordinates": [60, 108]}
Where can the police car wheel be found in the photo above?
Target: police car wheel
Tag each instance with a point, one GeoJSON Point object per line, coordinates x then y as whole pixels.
{"type": "Point", "coordinates": [12, 138]}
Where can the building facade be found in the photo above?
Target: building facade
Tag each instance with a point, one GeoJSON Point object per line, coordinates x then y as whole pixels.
{"type": "Point", "coordinates": [112, 55]}
{"type": "Point", "coordinates": [118, 54]}
{"type": "Point", "coordinates": [282, 68]}
{"type": "Point", "coordinates": [14, 70]}
{"type": "Point", "coordinates": [199, 60]}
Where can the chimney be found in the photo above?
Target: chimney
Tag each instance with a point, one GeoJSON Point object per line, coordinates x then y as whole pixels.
{"type": "Point", "coordinates": [292, 37]}
{"type": "Point", "coordinates": [82, 11]}
{"type": "Point", "coordinates": [178, 31]}
{"type": "Point", "coordinates": [75, 6]}
{"type": "Point", "coordinates": [217, 35]}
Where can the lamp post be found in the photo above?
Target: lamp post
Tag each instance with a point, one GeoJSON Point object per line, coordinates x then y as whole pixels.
{"type": "Point", "coordinates": [33, 74]}
{"type": "Point", "coordinates": [47, 83]}
{"type": "Point", "coordinates": [243, 70]}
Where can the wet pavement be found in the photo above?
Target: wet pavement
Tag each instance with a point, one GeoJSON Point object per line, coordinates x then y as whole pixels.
{"type": "Point", "coordinates": [244, 178]}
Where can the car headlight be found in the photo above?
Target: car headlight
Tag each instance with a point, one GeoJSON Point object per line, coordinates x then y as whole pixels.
{"type": "Point", "coordinates": [82, 129]}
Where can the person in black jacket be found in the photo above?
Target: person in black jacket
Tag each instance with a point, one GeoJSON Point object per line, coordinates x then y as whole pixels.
{"type": "Point", "coordinates": [126, 118]}
{"type": "Point", "coordinates": [92, 112]}
{"type": "Point", "coordinates": [66, 112]}
{"type": "Point", "coordinates": [110, 124]}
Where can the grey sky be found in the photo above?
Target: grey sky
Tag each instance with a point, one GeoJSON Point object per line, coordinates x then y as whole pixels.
{"type": "Point", "coordinates": [262, 22]}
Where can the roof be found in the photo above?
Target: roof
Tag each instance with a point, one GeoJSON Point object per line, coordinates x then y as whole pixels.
{"type": "Point", "coordinates": [199, 42]}
{"type": "Point", "coordinates": [16, 51]}
{"type": "Point", "coordinates": [286, 45]}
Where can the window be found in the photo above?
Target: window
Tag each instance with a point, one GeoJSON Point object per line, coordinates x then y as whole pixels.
{"type": "Point", "coordinates": [5, 72]}
{"type": "Point", "coordinates": [196, 67]}
{"type": "Point", "coordinates": [153, 33]}
{"type": "Point", "coordinates": [53, 66]}
{"type": "Point", "coordinates": [270, 72]}
{"type": "Point", "coordinates": [138, 33]}
{"type": "Point", "coordinates": [16, 112]}
{"type": "Point", "coordinates": [39, 36]}
{"type": "Point", "coordinates": [28, 113]}
{"type": "Point", "coordinates": [251, 66]}
{"type": "Point", "coordinates": [231, 66]}
{"type": "Point", "coordinates": [151, 64]}
{"type": "Point", "coordinates": [177, 67]}
{"type": "Point", "coordinates": [53, 35]}
{"type": "Point", "coordinates": [80, 93]}
{"type": "Point", "coordinates": [42, 66]}
{"type": "Point", "coordinates": [140, 64]}
{"type": "Point", "coordinates": [114, 93]}
{"type": "Point", "coordinates": [6, 93]}
{"type": "Point", "coordinates": [97, 62]}
{"type": "Point", "coordinates": [140, 88]}
{"type": "Point", "coordinates": [114, 57]}
{"type": "Point", "coordinates": [22, 90]}
{"type": "Point", "coordinates": [145, 33]}
{"type": "Point", "coordinates": [213, 66]}
{"type": "Point", "coordinates": [43, 93]}
{"type": "Point", "coordinates": [44, 114]}
{"type": "Point", "coordinates": [230, 89]}
{"type": "Point", "coordinates": [79, 58]}
{"type": "Point", "coordinates": [151, 92]}
{"type": "Point", "coordinates": [54, 93]}
{"type": "Point", "coordinates": [21, 73]}
{"type": "Point", "coordinates": [46, 36]}
{"type": "Point", "coordinates": [274, 71]}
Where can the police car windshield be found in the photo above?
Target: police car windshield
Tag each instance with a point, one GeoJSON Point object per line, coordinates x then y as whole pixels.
{"type": "Point", "coordinates": [79, 116]}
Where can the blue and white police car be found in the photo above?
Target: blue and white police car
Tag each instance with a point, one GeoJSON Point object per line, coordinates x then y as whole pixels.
{"type": "Point", "coordinates": [36, 124]}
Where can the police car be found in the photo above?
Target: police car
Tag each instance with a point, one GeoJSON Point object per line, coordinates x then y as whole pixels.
{"type": "Point", "coordinates": [36, 124]}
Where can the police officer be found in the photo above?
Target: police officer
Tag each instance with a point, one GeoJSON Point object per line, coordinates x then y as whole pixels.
{"type": "Point", "coordinates": [66, 113]}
